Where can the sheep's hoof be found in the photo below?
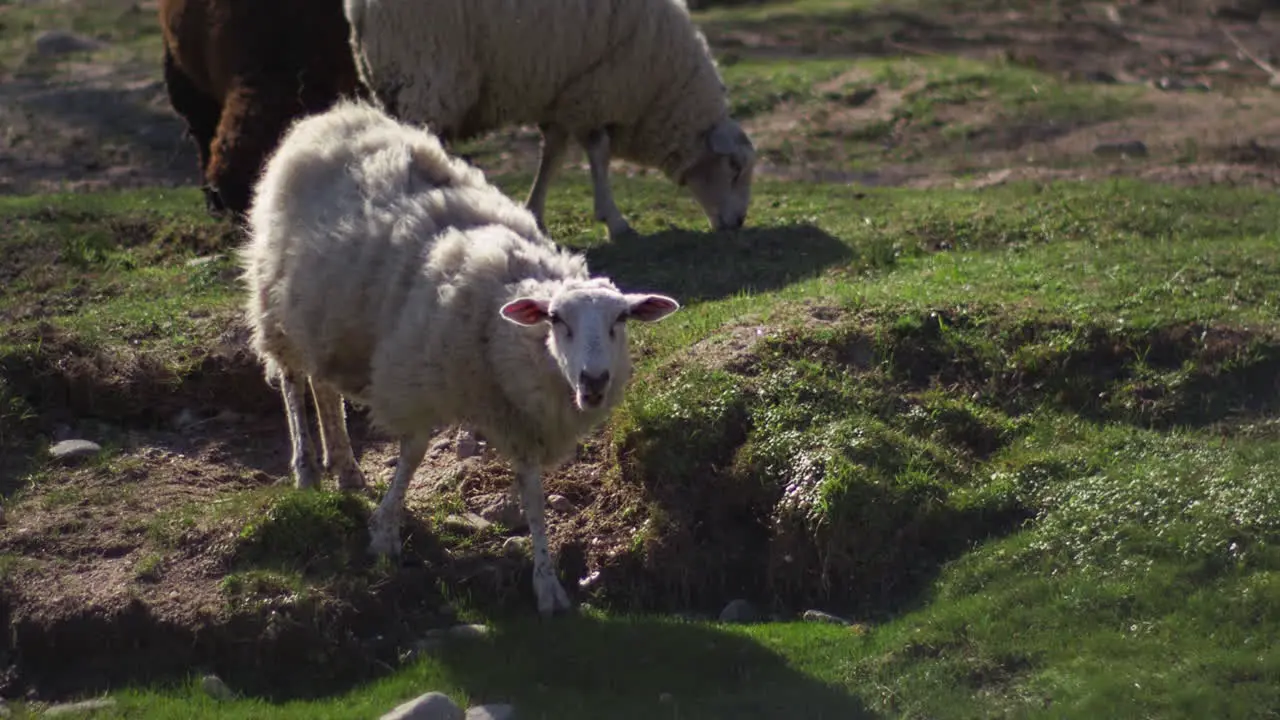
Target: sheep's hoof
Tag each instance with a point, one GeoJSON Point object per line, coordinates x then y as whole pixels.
{"type": "Point", "coordinates": [623, 231]}
{"type": "Point", "coordinates": [306, 477]}
{"type": "Point", "coordinates": [350, 478]}
{"type": "Point", "coordinates": [384, 537]}
{"type": "Point", "coordinates": [552, 599]}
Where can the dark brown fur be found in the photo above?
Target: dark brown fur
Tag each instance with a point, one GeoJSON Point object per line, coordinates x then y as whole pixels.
{"type": "Point", "coordinates": [240, 71]}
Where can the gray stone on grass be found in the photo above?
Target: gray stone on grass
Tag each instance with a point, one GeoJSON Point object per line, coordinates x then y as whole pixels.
{"type": "Point", "coordinates": [429, 706]}
{"type": "Point", "coordinates": [738, 611]}
{"type": "Point", "coordinates": [823, 617]}
{"type": "Point", "coordinates": [491, 712]}
{"type": "Point", "coordinates": [468, 523]}
{"type": "Point", "coordinates": [63, 42]}
{"type": "Point", "coordinates": [560, 504]}
{"type": "Point", "coordinates": [518, 546]}
{"type": "Point", "coordinates": [77, 708]}
{"type": "Point", "coordinates": [70, 451]}
{"type": "Point", "coordinates": [504, 509]}
{"type": "Point", "coordinates": [215, 688]}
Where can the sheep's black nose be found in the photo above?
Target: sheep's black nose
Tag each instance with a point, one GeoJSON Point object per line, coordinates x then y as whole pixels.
{"type": "Point", "coordinates": [594, 384]}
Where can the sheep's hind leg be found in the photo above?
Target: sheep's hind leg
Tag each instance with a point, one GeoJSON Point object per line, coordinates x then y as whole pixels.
{"type": "Point", "coordinates": [338, 456]}
{"type": "Point", "coordinates": [554, 142]}
{"type": "Point", "coordinates": [597, 146]}
{"type": "Point", "coordinates": [303, 463]}
{"type": "Point", "coordinates": [384, 522]}
{"type": "Point", "coordinates": [551, 595]}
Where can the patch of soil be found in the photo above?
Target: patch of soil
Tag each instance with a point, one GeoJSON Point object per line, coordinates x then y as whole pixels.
{"type": "Point", "coordinates": [93, 599]}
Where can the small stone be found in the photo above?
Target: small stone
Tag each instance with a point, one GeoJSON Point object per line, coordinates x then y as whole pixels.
{"type": "Point", "coordinates": [560, 504]}
{"type": "Point", "coordinates": [468, 523]}
{"type": "Point", "coordinates": [738, 611]}
{"type": "Point", "coordinates": [1128, 148]}
{"type": "Point", "coordinates": [185, 419]}
{"type": "Point", "coordinates": [431, 706]}
{"type": "Point", "coordinates": [491, 712]}
{"type": "Point", "coordinates": [69, 451]}
{"type": "Point", "coordinates": [504, 509]}
{"type": "Point", "coordinates": [460, 632]}
{"type": "Point", "coordinates": [77, 708]}
{"type": "Point", "coordinates": [822, 617]}
{"type": "Point", "coordinates": [215, 688]}
{"type": "Point", "coordinates": [63, 42]}
{"type": "Point", "coordinates": [518, 546]}
{"type": "Point", "coordinates": [203, 260]}
{"type": "Point", "coordinates": [666, 697]}
{"type": "Point", "coordinates": [466, 444]}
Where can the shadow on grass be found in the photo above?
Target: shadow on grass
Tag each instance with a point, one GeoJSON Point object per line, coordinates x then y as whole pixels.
{"type": "Point", "coordinates": [694, 266]}
{"type": "Point", "coordinates": [639, 667]}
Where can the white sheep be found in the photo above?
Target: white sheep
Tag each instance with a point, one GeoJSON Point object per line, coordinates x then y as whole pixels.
{"type": "Point", "coordinates": [632, 79]}
{"type": "Point", "coordinates": [382, 270]}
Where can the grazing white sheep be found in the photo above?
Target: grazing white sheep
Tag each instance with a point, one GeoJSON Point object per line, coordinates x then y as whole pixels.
{"type": "Point", "coordinates": [382, 270]}
{"type": "Point", "coordinates": [632, 79]}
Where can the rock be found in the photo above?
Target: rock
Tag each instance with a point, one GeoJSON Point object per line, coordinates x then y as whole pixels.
{"type": "Point", "coordinates": [215, 688]}
{"type": "Point", "coordinates": [467, 444]}
{"type": "Point", "coordinates": [469, 523]}
{"type": "Point", "coordinates": [460, 632]}
{"type": "Point", "coordinates": [77, 708]}
{"type": "Point", "coordinates": [184, 419]}
{"type": "Point", "coordinates": [69, 451]}
{"type": "Point", "coordinates": [491, 712]}
{"type": "Point", "coordinates": [518, 546]}
{"type": "Point", "coordinates": [738, 611]}
{"type": "Point", "coordinates": [822, 617]}
{"type": "Point", "coordinates": [62, 42]}
{"type": "Point", "coordinates": [204, 260]}
{"type": "Point", "coordinates": [560, 504]}
{"type": "Point", "coordinates": [504, 509]}
{"type": "Point", "coordinates": [1128, 148]}
{"type": "Point", "coordinates": [431, 706]}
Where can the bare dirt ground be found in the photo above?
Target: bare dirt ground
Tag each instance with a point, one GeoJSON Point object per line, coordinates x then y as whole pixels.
{"type": "Point", "coordinates": [82, 122]}
{"type": "Point", "coordinates": [67, 122]}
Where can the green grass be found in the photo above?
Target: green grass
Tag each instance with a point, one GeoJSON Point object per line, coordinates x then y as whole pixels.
{"type": "Point", "coordinates": [1090, 490]}
{"type": "Point", "coordinates": [130, 33]}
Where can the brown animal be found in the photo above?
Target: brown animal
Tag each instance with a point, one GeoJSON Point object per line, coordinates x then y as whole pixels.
{"type": "Point", "coordinates": [240, 71]}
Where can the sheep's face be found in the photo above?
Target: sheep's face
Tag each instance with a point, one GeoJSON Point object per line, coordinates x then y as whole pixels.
{"type": "Point", "coordinates": [588, 334]}
{"type": "Point", "coordinates": [720, 178]}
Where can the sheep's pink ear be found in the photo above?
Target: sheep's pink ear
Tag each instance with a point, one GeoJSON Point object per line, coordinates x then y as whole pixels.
{"type": "Point", "coordinates": [651, 308]}
{"type": "Point", "coordinates": [525, 311]}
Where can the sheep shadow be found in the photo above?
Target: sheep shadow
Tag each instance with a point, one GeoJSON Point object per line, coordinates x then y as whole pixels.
{"type": "Point", "coordinates": [638, 667]}
{"type": "Point", "coordinates": [702, 266]}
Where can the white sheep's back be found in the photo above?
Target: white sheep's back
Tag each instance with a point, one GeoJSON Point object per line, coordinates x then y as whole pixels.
{"type": "Point", "coordinates": [472, 65]}
{"type": "Point", "coordinates": [341, 230]}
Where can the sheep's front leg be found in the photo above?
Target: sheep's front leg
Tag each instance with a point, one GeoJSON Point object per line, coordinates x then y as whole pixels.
{"type": "Point", "coordinates": [384, 521]}
{"type": "Point", "coordinates": [554, 142]}
{"type": "Point", "coordinates": [303, 463]}
{"type": "Point", "coordinates": [597, 147]}
{"type": "Point", "coordinates": [551, 596]}
{"type": "Point", "coordinates": [338, 456]}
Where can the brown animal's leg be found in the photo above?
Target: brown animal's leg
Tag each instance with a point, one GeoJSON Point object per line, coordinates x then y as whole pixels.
{"type": "Point", "coordinates": [253, 119]}
{"type": "Point", "coordinates": [201, 114]}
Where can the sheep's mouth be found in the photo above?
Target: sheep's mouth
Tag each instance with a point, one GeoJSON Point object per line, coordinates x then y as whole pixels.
{"type": "Point", "coordinates": [588, 400]}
